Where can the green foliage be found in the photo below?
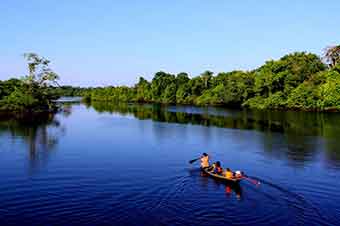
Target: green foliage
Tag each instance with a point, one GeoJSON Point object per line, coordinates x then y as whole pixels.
{"type": "Point", "coordinates": [212, 97]}
{"type": "Point", "coordinates": [18, 101]}
{"type": "Point", "coordinates": [169, 94]}
{"type": "Point", "coordinates": [182, 79]}
{"type": "Point", "coordinates": [33, 93]}
{"type": "Point", "coordinates": [329, 91]}
{"type": "Point", "coordinates": [159, 83]}
{"type": "Point", "coordinates": [206, 78]}
{"type": "Point", "coordinates": [296, 81]}
{"type": "Point", "coordinates": [303, 97]}
{"type": "Point", "coordinates": [287, 73]}
{"type": "Point", "coordinates": [197, 86]}
{"type": "Point", "coordinates": [143, 89]}
{"type": "Point", "coordinates": [183, 94]}
{"type": "Point", "coordinates": [7, 87]}
{"type": "Point", "coordinates": [321, 92]}
{"type": "Point", "coordinates": [114, 94]}
{"type": "Point", "coordinates": [238, 87]}
{"type": "Point", "coordinates": [274, 101]}
{"type": "Point", "coordinates": [70, 91]}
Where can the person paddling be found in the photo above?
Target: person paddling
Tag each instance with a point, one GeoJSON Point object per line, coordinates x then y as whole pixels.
{"type": "Point", "coordinates": [204, 160]}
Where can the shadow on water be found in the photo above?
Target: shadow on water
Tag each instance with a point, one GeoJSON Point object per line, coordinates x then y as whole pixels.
{"type": "Point", "coordinates": [299, 129]}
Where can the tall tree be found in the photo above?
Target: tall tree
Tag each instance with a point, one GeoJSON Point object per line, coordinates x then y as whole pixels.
{"type": "Point", "coordinates": [33, 93]}
{"type": "Point", "coordinates": [143, 90]}
{"type": "Point", "coordinates": [159, 83]}
{"type": "Point", "coordinates": [206, 76]}
{"type": "Point", "coordinates": [39, 71]}
{"type": "Point", "coordinates": [332, 55]}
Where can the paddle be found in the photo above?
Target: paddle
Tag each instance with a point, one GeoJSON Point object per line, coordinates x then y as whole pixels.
{"type": "Point", "coordinates": [251, 180]}
{"type": "Point", "coordinates": [194, 160]}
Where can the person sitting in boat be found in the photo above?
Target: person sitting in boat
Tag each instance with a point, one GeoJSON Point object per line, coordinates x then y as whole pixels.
{"type": "Point", "coordinates": [229, 174]}
{"type": "Point", "coordinates": [212, 167]}
{"type": "Point", "coordinates": [238, 174]}
{"type": "Point", "coordinates": [204, 160]}
{"type": "Point", "coordinates": [218, 169]}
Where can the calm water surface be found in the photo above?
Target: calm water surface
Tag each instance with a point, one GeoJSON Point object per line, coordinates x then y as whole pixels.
{"type": "Point", "coordinates": [116, 164]}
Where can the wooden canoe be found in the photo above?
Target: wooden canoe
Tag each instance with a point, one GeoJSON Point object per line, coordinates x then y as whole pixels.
{"type": "Point", "coordinates": [220, 177]}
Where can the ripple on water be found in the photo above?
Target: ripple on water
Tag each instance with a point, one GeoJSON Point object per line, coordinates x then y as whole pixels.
{"type": "Point", "coordinates": [81, 183]}
{"type": "Point", "coordinates": [179, 199]}
{"type": "Point", "coordinates": [189, 204]}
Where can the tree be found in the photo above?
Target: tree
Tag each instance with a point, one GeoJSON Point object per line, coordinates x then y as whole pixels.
{"type": "Point", "coordinates": [183, 88]}
{"type": "Point", "coordinates": [183, 93]}
{"type": "Point", "coordinates": [298, 80]}
{"type": "Point", "coordinates": [238, 88]}
{"type": "Point", "coordinates": [182, 78]}
{"type": "Point", "coordinates": [33, 92]}
{"type": "Point", "coordinates": [206, 77]}
{"type": "Point", "coordinates": [7, 87]}
{"type": "Point", "coordinates": [143, 89]}
{"type": "Point", "coordinates": [159, 83]}
{"type": "Point", "coordinates": [197, 86]}
{"type": "Point", "coordinates": [169, 95]}
{"type": "Point", "coordinates": [285, 74]}
{"type": "Point", "coordinates": [332, 55]}
{"type": "Point", "coordinates": [39, 72]}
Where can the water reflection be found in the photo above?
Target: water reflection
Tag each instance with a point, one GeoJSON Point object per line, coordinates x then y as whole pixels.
{"type": "Point", "coordinates": [38, 133]}
{"type": "Point", "coordinates": [232, 190]}
{"type": "Point", "coordinates": [155, 155]}
{"type": "Point", "coordinates": [299, 130]}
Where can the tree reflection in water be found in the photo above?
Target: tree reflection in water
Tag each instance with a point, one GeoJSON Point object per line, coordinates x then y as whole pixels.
{"type": "Point", "coordinates": [38, 132]}
{"type": "Point", "coordinates": [298, 129]}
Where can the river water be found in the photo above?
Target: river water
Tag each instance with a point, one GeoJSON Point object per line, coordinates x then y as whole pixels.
{"type": "Point", "coordinates": [126, 164]}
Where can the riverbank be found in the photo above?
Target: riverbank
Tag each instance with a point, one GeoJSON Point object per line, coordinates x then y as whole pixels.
{"type": "Point", "coordinates": [299, 81]}
{"type": "Point", "coordinates": [88, 101]}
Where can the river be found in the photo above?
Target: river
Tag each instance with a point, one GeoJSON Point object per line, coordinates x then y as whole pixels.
{"type": "Point", "coordinates": [127, 164]}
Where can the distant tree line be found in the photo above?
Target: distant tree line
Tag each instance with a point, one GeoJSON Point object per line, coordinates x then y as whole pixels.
{"type": "Point", "coordinates": [70, 91]}
{"type": "Point", "coordinates": [300, 81]}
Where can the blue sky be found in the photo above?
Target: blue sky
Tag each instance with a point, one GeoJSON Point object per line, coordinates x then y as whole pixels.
{"type": "Point", "coordinates": [108, 42]}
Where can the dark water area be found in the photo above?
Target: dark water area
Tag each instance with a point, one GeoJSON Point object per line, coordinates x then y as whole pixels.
{"type": "Point", "coordinates": [127, 164]}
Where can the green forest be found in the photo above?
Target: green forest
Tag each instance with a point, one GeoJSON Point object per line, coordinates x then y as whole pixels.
{"type": "Point", "coordinates": [297, 81]}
